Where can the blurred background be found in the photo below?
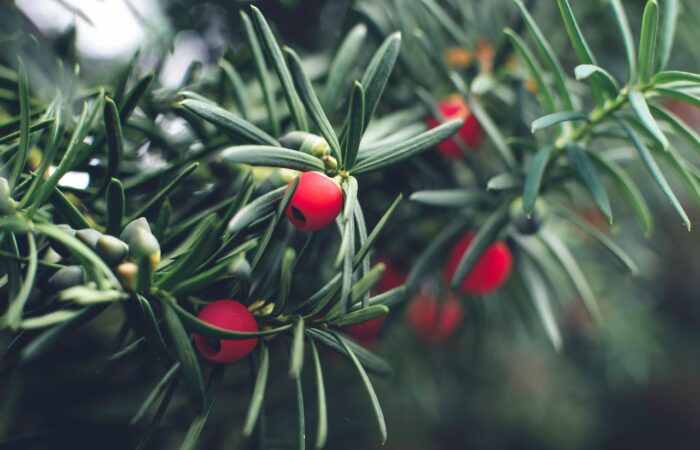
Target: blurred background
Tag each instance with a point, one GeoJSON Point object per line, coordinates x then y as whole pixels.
{"type": "Point", "coordinates": [632, 382]}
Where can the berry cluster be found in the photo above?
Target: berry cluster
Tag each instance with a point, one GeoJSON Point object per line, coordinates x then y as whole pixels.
{"type": "Point", "coordinates": [435, 320]}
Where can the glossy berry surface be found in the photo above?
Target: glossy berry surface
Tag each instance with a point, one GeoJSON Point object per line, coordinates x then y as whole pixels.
{"type": "Point", "coordinates": [488, 274]}
{"type": "Point", "coordinates": [316, 202]}
{"type": "Point", "coordinates": [432, 320]}
{"type": "Point", "coordinates": [230, 315]}
{"type": "Point", "coordinates": [471, 133]}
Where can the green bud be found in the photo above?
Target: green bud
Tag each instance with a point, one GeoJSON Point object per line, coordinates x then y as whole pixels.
{"type": "Point", "coordinates": [128, 230]}
{"type": "Point", "coordinates": [88, 236]}
{"type": "Point", "coordinates": [127, 272]}
{"type": "Point", "coordinates": [66, 277]}
{"type": "Point", "coordinates": [144, 245]}
{"type": "Point", "coordinates": [293, 139]}
{"type": "Point", "coordinates": [524, 224]}
{"type": "Point", "coordinates": [58, 246]}
{"type": "Point", "coordinates": [7, 204]}
{"type": "Point", "coordinates": [266, 310]}
{"type": "Point", "coordinates": [256, 305]}
{"type": "Point", "coordinates": [67, 228]}
{"type": "Point", "coordinates": [282, 177]}
{"type": "Point", "coordinates": [111, 250]}
{"type": "Point", "coordinates": [240, 272]}
{"type": "Point", "coordinates": [261, 308]}
{"type": "Point", "coordinates": [260, 173]}
{"type": "Point", "coordinates": [240, 268]}
{"type": "Point", "coordinates": [331, 165]}
{"type": "Point", "coordinates": [4, 187]}
{"type": "Point", "coordinates": [306, 142]}
{"type": "Point", "coordinates": [51, 256]}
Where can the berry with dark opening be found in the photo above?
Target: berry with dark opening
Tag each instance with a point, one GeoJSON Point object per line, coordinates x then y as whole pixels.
{"type": "Point", "coordinates": [229, 315]}
{"type": "Point", "coordinates": [316, 202]}
{"type": "Point", "coordinates": [432, 320]}
{"type": "Point", "coordinates": [470, 135]}
{"type": "Point", "coordinates": [488, 274]}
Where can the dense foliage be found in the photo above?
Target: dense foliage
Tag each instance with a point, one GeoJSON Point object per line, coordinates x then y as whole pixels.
{"type": "Point", "coordinates": [278, 180]}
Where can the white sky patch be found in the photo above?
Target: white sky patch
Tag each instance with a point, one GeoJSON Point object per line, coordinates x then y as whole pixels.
{"type": "Point", "coordinates": [48, 15]}
{"type": "Point", "coordinates": [114, 31]}
{"type": "Point", "coordinates": [189, 47]}
{"type": "Point", "coordinates": [75, 180]}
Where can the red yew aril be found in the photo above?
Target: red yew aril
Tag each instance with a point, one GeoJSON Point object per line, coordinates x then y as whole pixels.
{"type": "Point", "coordinates": [471, 133]}
{"type": "Point", "coordinates": [367, 332]}
{"type": "Point", "coordinates": [229, 315]}
{"type": "Point", "coordinates": [687, 113]}
{"type": "Point", "coordinates": [316, 202]}
{"type": "Point", "coordinates": [432, 320]}
{"type": "Point", "coordinates": [593, 217]}
{"type": "Point", "coordinates": [488, 274]}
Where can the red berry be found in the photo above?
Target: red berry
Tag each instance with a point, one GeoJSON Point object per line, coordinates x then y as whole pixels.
{"type": "Point", "coordinates": [686, 112]}
{"type": "Point", "coordinates": [593, 217]}
{"type": "Point", "coordinates": [229, 315]}
{"type": "Point", "coordinates": [488, 274]}
{"type": "Point", "coordinates": [316, 202]}
{"type": "Point", "coordinates": [366, 332]}
{"type": "Point", "coordinates": [471, 132]}
{"type": "Point", "coordinates": [432, 320]}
